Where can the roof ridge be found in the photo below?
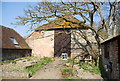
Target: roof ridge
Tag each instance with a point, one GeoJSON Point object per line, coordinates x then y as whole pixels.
{"type": "Point", "coordinates": [60, 20]}
{"type": "Point", "coordinates": [5, 27]}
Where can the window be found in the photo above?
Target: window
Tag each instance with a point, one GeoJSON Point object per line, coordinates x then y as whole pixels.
{"type": "Point", "coordinates": [14, 41]}
{"type": "Point", "coordinates": [88, 58]}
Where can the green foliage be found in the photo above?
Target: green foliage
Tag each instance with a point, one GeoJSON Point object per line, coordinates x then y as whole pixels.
{"type": "Point", "coordinates": [67, 73]}
{"type": "Point", "coordinates": [33, 69]}
{"type": "Point", "coordinates": [90, 67]}
{"type": "Point", "coordinates": [69, 60]}
{"type": "Point", "coordinates": [103, 72]}
{"type": "Point", "coordinates": [102, 69]}
{"type": "Point", "coordinates": [68, 78]}
{"type": "Point", "coordinates": [66, 70]}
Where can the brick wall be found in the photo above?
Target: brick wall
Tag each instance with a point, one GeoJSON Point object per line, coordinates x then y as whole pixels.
{"type": "Point", "coordinates": [78, 44]}
{"type": "Point", "coordinates": [112, 58]}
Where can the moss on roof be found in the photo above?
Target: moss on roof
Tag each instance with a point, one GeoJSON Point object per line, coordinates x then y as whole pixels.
{"type": "Point", "coordinates": [60, 23]}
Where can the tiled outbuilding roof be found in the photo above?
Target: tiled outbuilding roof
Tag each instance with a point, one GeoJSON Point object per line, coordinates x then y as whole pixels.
{"type": "Point", "coordinates": [60, 23]}
{"type": "Point", "coordinates": [7, 33]}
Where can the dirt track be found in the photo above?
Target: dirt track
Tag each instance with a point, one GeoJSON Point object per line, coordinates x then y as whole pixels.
{"type": "Point", "coordinates": [53, 71]}
{"type": "Point", "coordinates": [50, 71]}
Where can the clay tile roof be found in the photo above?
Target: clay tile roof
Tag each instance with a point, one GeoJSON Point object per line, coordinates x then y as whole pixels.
{"type": "Point", "coordinates": [7, 33]}
{"type": "Point", "coordinates": [55, 24]}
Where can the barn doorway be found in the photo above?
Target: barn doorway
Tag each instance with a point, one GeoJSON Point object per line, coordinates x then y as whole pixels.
{"type": "Point", "coordinates": [62, 43]}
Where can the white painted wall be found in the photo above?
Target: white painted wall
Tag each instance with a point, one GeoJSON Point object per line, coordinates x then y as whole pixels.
{"type": "Point", "coordinates": [42, 43]}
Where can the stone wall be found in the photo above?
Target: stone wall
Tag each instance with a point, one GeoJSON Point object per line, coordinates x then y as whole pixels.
{"type": "Point", "coordinates": [15, 53]}
{"type": "Point", "coordinates": [78, 44]}
{"type": "Point", "coordinates": [111, 61]}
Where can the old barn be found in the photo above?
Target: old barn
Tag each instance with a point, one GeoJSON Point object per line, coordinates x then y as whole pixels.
{"type": "Point", "coordinates": [59, 38]}
{"type": "Point", "coordinates": [13, 45]}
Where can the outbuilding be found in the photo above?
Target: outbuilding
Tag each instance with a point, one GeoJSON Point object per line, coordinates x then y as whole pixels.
{"type": "Point", "coordinates": [13, 45]}
{"type": "Point", "coordinates": [59, 38]}
{"type": "Point", "coordinates": [111, 56]}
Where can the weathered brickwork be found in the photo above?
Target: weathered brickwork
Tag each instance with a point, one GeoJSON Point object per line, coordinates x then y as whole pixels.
{"type": "Point", "coordinates": [78, 44]}
{"type": "Point", "coordinates": [112, 61]}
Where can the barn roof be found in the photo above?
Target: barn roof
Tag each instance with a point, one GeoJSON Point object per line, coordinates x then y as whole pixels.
{"type": "Point", "coordinates": [7, 33]}
{"type": "Point", "coordinates": [60, 23]}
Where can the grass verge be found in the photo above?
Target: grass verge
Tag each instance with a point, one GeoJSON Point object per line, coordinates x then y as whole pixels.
{"type": "Point", "coordinates": [67, 73]}
{"type": "Point", "coordinates": [33, 69]}
{"type": "Point", "coordinates": [90, 67]}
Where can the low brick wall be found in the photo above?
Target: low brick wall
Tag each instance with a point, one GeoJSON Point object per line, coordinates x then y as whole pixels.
{"type": "Point", "coordinates": [15, 53]}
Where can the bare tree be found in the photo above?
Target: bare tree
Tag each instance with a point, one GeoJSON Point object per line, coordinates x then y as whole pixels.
{"type": "Point", "coordinates": [86, 11]}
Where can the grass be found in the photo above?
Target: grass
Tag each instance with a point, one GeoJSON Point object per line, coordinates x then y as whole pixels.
{"type": "Point", "coordinates": [91, 68]}
{"type": "Point", "coordinates": [33, 69]}
{"type": "Point", "coordinates": [11, 60]}
{"type": "Point", "coordinates": [68, 78]}
{"type": "Point", "coordinates": [69, 60]}
{"type": "Point", "coordinates": [66, 70]}
{"type": "Point", "coordinates": [28, 58]}
{"type": "Point", "coordinates": [67, 73]}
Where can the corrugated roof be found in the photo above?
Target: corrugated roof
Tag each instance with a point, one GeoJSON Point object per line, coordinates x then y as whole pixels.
{"type": "Point", "coordinates": [7, 33]}
{"type": "Point", "coordinates": [59, 23]}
